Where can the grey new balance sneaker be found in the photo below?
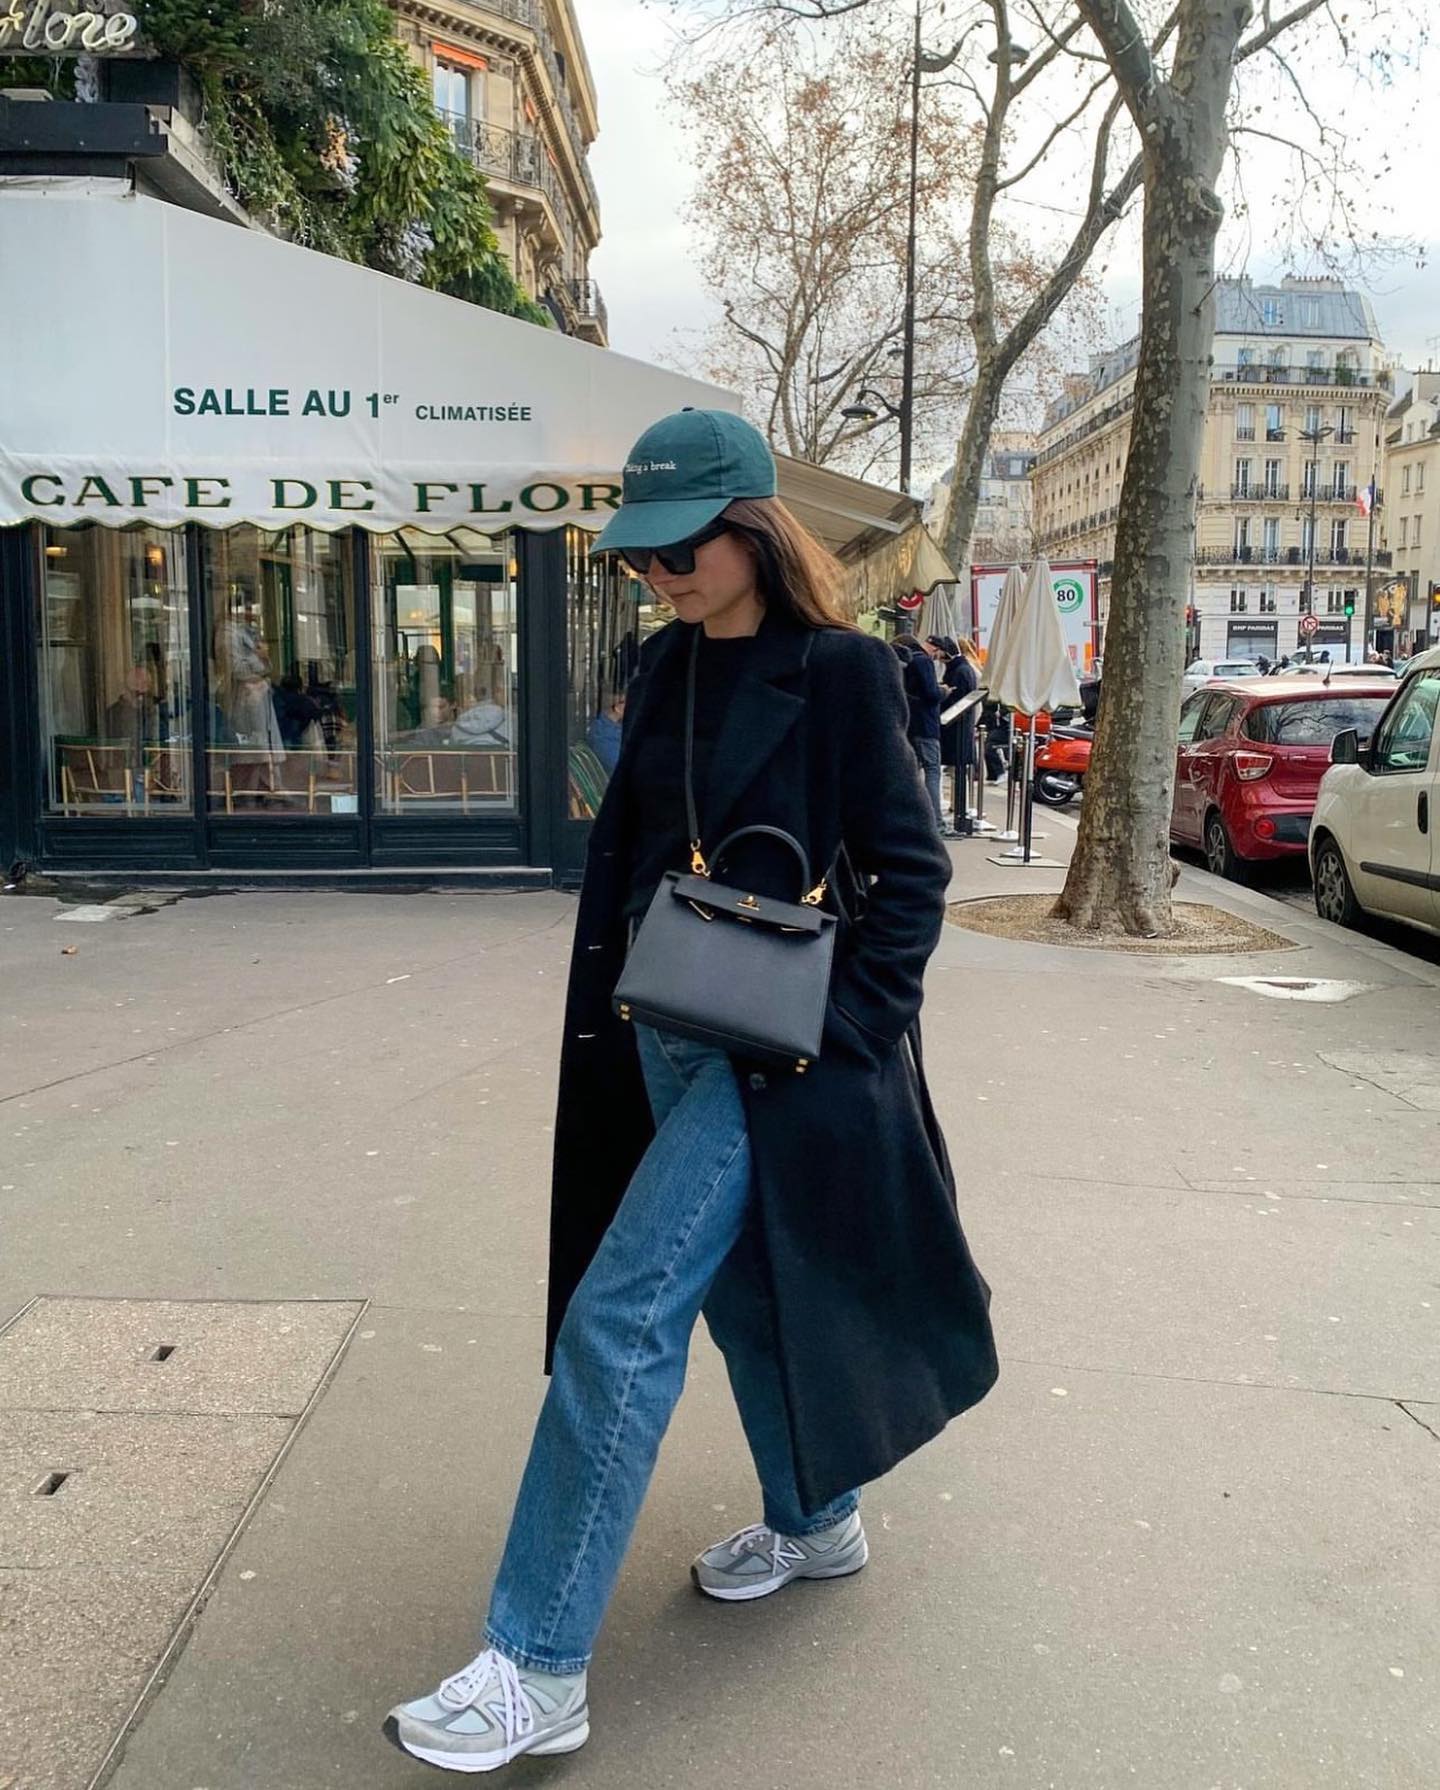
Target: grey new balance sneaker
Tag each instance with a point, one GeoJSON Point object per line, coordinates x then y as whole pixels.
{"type": "Point", "coordinates": [756, 1561]}
{"type": "Point", "coordinates": [491, 1712]}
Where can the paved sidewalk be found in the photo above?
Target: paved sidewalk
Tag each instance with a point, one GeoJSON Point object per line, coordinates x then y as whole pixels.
{"type": "Point", "coordinates": [1191, 1541]}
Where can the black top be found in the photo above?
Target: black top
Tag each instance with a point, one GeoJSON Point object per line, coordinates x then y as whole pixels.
{"type": "Point", "coordinates": [657, 776]}
{"type": "Point", "coordinates": [922, 693]}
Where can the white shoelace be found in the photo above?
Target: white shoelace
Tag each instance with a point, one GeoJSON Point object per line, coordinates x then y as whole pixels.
{"type": "Point", "coordinates": [753, 1540]}
{"type": "Point", "coordinates": [490, 1667]}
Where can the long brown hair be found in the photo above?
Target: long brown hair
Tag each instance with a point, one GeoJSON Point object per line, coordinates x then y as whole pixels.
{"type": "Point", "coordinates": [798, 575]}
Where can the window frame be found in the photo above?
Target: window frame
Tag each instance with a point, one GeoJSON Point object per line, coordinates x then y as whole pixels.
{"type": "Point", "coordinates": [1405, 701]}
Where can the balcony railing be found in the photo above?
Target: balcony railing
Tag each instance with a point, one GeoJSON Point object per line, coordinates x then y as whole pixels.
{"type": "Point", "coordinates": [568, 112]}
{"type": "Point", "coordinates": [1244, 434]}
{"type": "Point", "coordinates": [1341, 376]}
{"type": "Point", "coordinates": [507, 155]}
{"type": "Point", "coordinates": [1264, 492]}
{"type": "Point", "coordinates": [1285, 556]}
{"type": "Point", "coordinates": [589, 304]}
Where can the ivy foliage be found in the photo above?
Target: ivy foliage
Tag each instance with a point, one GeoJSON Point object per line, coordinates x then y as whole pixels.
{"type": "Point", "coordinates": [324, 128]}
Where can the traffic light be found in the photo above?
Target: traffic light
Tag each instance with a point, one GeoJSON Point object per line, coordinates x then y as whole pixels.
{"type": "Point", "coordinates": [1349, 604]}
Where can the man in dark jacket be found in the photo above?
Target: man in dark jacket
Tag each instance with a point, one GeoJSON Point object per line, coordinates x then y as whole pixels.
{"type": "Point", "coordinates": [957, 738]}
{"type": "Point", "coordinates": [924, 697]}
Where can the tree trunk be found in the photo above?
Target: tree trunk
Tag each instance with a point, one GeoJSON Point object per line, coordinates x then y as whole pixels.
{"type": "Point", "coordinates": [1120, 876]}
{"type": "Point", "coordinates": [974, 444]}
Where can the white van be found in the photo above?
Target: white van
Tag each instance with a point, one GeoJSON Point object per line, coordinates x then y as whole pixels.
{"type": "Point", "coordinates": [1373, 839]}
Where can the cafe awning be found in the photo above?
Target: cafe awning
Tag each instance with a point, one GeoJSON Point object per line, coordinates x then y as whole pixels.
{"type": "Point", "coordinates": [167, 367]}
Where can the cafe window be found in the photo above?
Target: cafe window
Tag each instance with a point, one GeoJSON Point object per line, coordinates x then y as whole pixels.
{"type": "Point", "coordinates": [114, 672]}
{"type": "Point", "coordinates": [446, 670]}
{"type": "Point", "coordinates": [279, 621]}
{"type": "Point", "coordinates": [608, 613]}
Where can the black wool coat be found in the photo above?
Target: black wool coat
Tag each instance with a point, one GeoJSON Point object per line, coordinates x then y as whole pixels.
{"type": "Point", "coordinates": [881, 1314]}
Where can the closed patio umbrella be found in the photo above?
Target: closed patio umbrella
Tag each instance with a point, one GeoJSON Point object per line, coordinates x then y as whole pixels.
{"type": "Point", "coordinates": [1028, 669]}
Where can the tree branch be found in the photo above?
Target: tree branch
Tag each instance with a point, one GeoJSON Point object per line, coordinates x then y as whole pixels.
{"type": "Point", "coordinates": [1128, 54]}
{"type": "Point", "coordinates": [1276, 28]}
{"type": "Point", "coordinates": [1014, 179]}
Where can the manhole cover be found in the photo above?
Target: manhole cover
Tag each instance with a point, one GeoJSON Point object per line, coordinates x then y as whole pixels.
{"type": "Point", "coordinates": [1297, 988]}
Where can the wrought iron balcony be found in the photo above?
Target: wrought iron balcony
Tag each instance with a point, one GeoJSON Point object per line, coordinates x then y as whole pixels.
{"type": "Point", "coordinates": [1284, 556]}
{"type": "Point", "coordinates": [1242, 434]}
{"type": "Point", "coordinates": [589, 304]}
{"type": "Point", "coordinates": [1265, 491]}
{"type": "Point", "coordinates": [508, 156]}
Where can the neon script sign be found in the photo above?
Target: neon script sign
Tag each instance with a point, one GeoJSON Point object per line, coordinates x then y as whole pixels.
{"type": "Point", "coordinates": [55, 28]}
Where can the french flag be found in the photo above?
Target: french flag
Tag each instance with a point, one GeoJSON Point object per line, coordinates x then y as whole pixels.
{"type": "Point", "coordinates": [1365, 498]}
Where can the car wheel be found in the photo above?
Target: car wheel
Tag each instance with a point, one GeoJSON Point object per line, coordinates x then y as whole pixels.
{"type": "Point", "coordinates": [1334, 893]}
{"type": "Point", "coordinates": [1221, 858]}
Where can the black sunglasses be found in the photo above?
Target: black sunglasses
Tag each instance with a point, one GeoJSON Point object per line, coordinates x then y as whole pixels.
{"type": "Point", "coordinates": [679, 557]}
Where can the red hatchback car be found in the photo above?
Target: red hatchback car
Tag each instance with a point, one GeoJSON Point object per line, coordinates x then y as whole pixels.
{"type": "Point", "coordinates": [1251, 757]}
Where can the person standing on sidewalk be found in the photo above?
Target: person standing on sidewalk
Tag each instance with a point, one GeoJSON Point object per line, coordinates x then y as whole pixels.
{"type": "Point", "coordinates": [925, 698]}
{"type": "Point", "coordinates": [812, 1218]}
{"type": "Point", "coordinates": [957, 738]}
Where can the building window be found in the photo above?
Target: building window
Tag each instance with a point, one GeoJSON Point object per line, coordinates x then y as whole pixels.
{"type": "Point", "coordinates": [1338, 536]}
{"type": "Point", "coordinates": [1272, 478]}
{"type": "Point", "coordinates": [1238, 602]}
{"type": "Point", "coordinates": [1334, 602]}
{"type": "Point", "coordinates": [1341, 481]}
{"type": "Point", "coordinates": [1404, 526]}
{"type": "Point", "coordinates": [1307, 482]}
{"type": "Point", "coordinates": [1279, 361]}
{"type": "Point", "coordinates": [1415, 533]}
{"type": "Point", "coordinates": [1274, 422]}
{"type": "Point", "coordinates": [1312, 418]}
{"type": "Point", "coordinates": [1346, 430]}
{"type": "Point", "coordinates": [1242, 478]}
{"type": "Point", "coordinates": [452, 89]}
{"type": "Point", "coordinates": [1405, 482]}
{"type": "Point", "coordinates": [1245, 357]}
{"type": "Point", "coordinates": [114, 672]}
{"type": "Point", "coordinates": [1267, 600]}
{"type": "Point", "coordinates": [1420, 477]}
{"type": "Point", "coordinates": [1242, 535]}
{"type": "Point", "coordinates": [1271, 313]}
{"type": "Point", "coordinates": [1272, 537]}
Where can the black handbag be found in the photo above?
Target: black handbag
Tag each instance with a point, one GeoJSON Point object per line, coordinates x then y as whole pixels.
{"type": "Point", "coordinates": [718, 964]}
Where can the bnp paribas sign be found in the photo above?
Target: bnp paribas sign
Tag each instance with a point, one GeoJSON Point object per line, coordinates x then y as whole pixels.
{"type": "Point", "coordinates": [67, 28]}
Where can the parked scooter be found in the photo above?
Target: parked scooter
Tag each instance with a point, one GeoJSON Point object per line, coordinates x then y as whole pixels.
{"type": "Point", "coordinates": [1062, 758]}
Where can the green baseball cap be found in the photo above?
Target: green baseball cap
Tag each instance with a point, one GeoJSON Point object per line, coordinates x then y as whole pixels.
{"type": "Point", "coordinates": [682, 472]}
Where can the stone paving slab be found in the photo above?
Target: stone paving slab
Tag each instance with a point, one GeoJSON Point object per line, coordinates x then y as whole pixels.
{"type": "Point", "coordinates": [158, 1494]}
{"type": "Point", "coordinates": [77, 1645]}
{"type": "Point", "coordinates": [122, 1481]}
{"type": "Point", "coordinates": [99, 1354]}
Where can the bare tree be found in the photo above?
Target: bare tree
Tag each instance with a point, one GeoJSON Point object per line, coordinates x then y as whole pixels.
{"type": "Point", "coordinates": [1120, 876]}
{"type": "Point", "coordinates": [802, 150]}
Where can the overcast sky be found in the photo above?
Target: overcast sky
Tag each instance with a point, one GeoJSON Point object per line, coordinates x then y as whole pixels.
{"type": "Point", "coordinates": [657, 303]}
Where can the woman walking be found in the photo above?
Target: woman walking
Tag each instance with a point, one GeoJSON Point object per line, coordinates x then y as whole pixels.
{"type": "Point", "coordinates": [811, 1217]}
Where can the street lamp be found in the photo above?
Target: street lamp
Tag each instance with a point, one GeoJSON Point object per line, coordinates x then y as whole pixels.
{"type": "Point", "coordinates": [1314, 436]}
{"type": "Point", "coordinates": [1012, 55]}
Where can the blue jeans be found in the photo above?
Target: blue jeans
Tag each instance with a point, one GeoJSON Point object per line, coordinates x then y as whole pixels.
{"type": "Point", "coordinates": [927, 752]}
{"type": "Point", "coordinates": [685, 1236]}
